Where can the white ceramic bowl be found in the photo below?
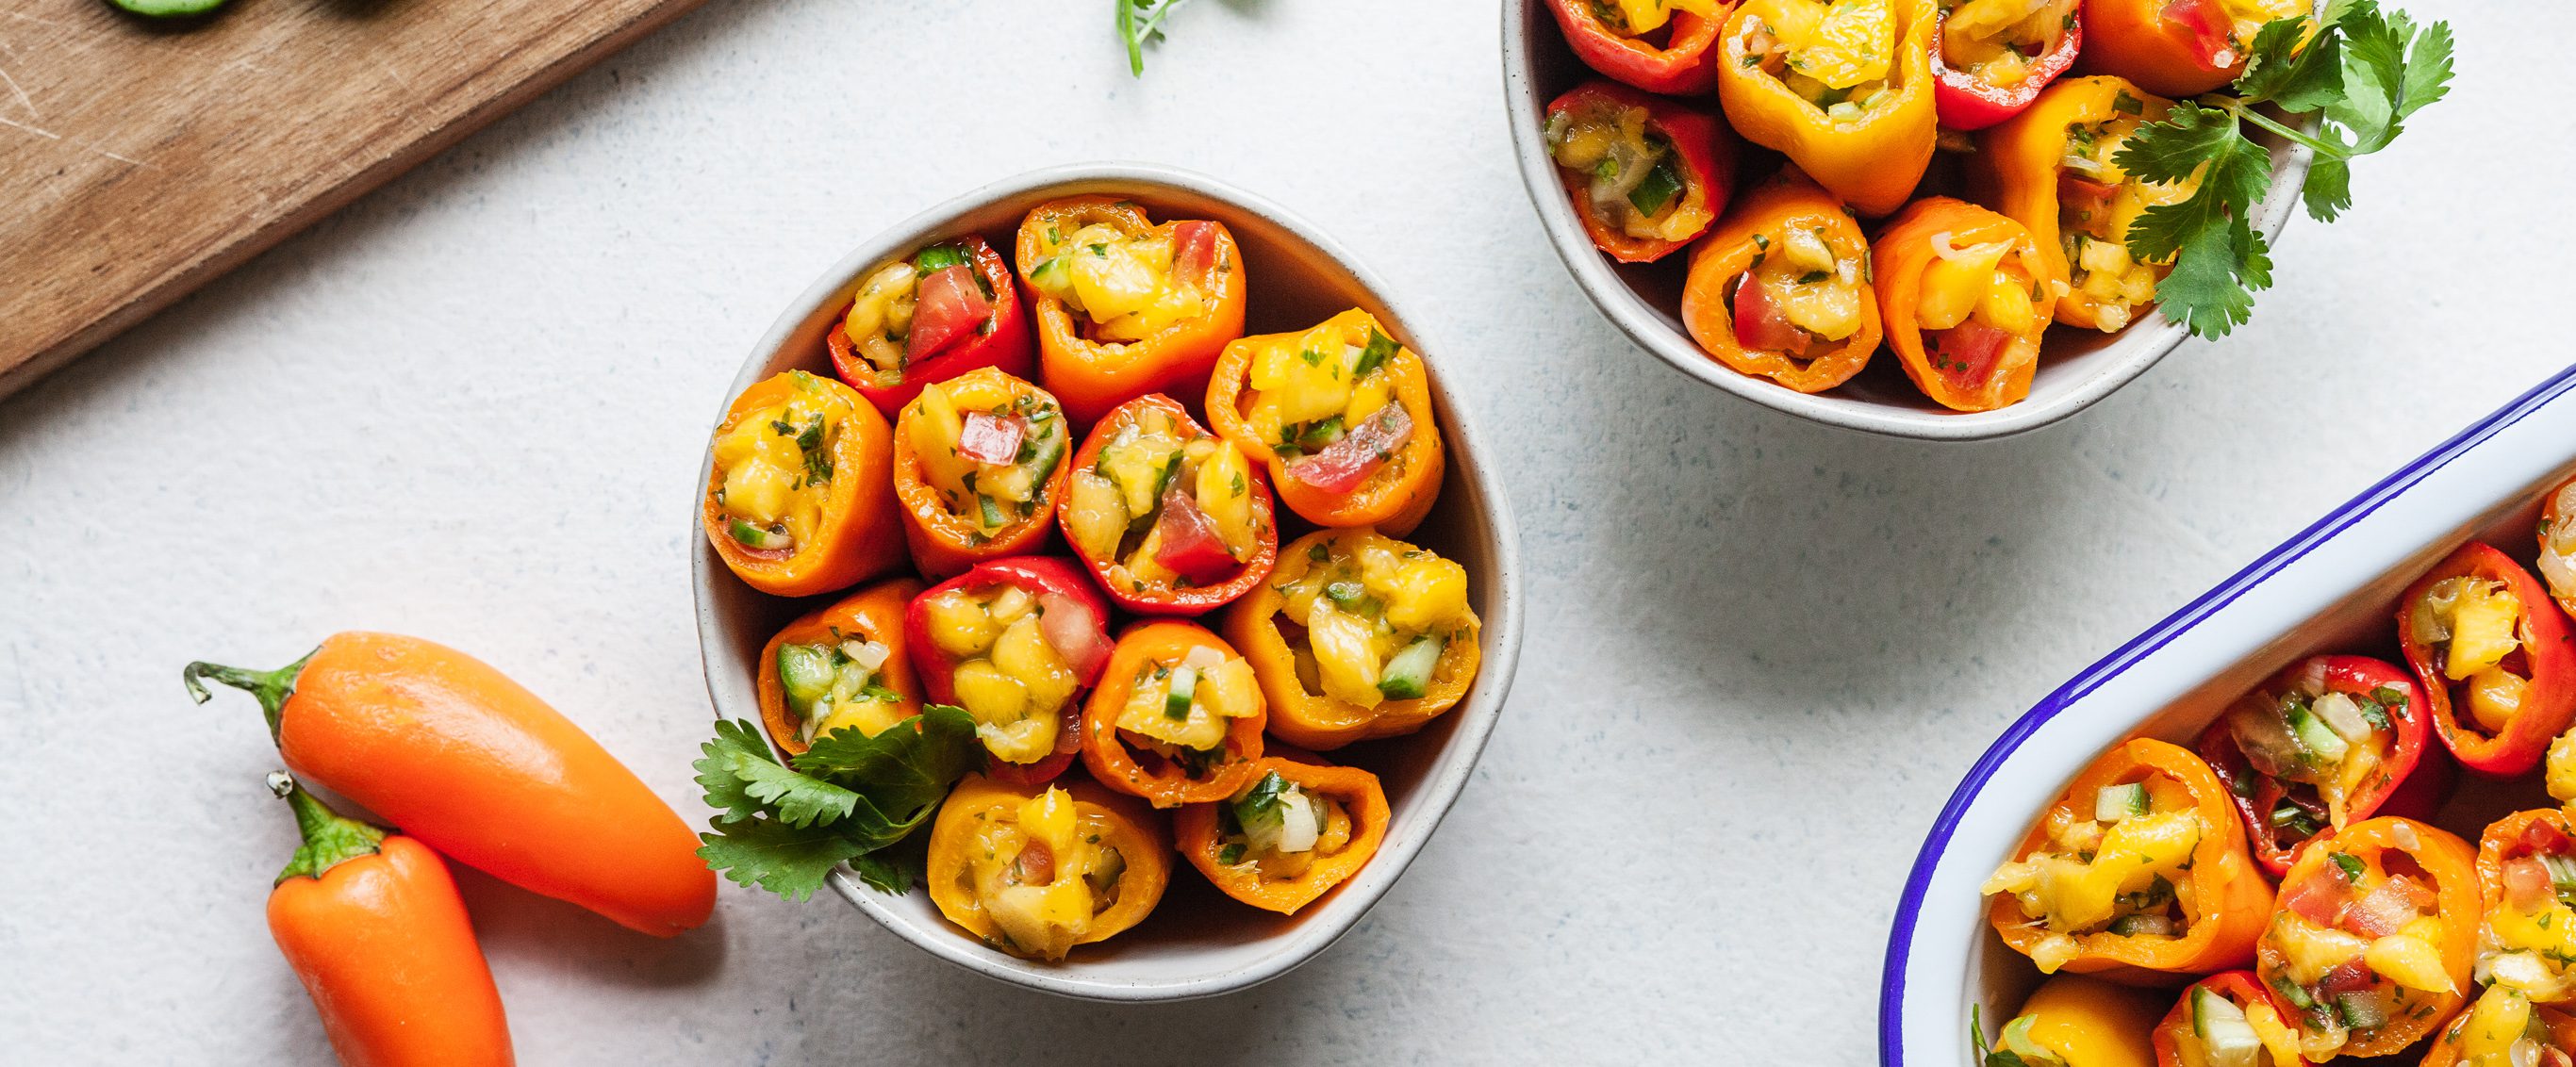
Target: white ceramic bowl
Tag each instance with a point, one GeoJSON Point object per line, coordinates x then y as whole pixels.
{"type": "Point", "coordinates": [2332, 588]}
{"type": "Point", "coordinates": [2077, 367]}
{"type": "Point", "coordinates": [1198, 942]}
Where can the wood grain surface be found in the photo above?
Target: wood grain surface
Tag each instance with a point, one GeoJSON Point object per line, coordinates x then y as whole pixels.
{"type": "Point", "coordinates": [139, 159]}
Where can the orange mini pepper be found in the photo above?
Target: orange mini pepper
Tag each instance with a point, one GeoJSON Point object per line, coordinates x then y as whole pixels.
{"type": "Point", "coordinates": [2083, 1022]}
{"type": "Point", "coordinates": [2178, 1041]}
{"type": "Point", "coordinates": [1966, 326]}
{"type": "Point", "coordinates": [979, 469]}
{"type": "Point", "coordinates": [1735, 298]}
{"type": "Point", "coordinates": [2176, 47]}
{"type": "Point", "coordinates": [2020, 170]}
{"type": "Point", "coordinates": [1206, 539]}
{"type": "Point", "coordinates": [797, 499]}
{"type": "Point", "coordinates": [2504, 1028]}
{"type": "Point", "coordinates": [809, 652]}
{"type": "Point", "coordinates": [2376, 882]}
{"type": "Point", "coordinates": [1349, 821]}
{"type": "Point", "coordinates": [1871, 157]}
{"type": "Point", "coordinates": [477, 767]}
{"type": "Point", "coordinates": [1342, 415]}
{"type": "Point", "coordinates": [1259, 624]}
{"type": "Point", "coordinates": [372, 925]}
{"type": "Point", "coordinates": [2229, 900]}
{"type": "Point", "coordinates": [1213, 719]}
{"type": "Point", "coordinates": [994, 871]}
{"type": "Point", "coordinates": [1125, 307]}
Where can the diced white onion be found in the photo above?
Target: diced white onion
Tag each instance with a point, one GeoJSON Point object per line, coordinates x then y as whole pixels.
{"type": "Point", "coordinates": [2343, 714]}
{"type": "Point", "coordinates": [1297, 829]}
{"type": "Point", "coordinates": [1204, 658]}
{"type": "Point", "coordinates": [868, 654]}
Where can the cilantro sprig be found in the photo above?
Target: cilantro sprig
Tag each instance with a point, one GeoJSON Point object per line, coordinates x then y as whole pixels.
{"type": "Point", "coordinates": [850, 799]}
{"type": "Point", "coordinates": [2366, 70]}
{"type": "Point", "coordinates": [1139, 23]}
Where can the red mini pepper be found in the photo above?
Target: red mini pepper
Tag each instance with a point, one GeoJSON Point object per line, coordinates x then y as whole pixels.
{"type": "Point", "coordinates": [1686, 64]}
{"type": "Point", "coordinates": [1968, 102]}
{"type": "Point", "coordinates": [1076, 624]}
{"type": "Point", "coordinates": [934, 352]}
{"type": "Point", "coordinates": [1196, 572]}
{"type": "Point", "coordinates": [2545, 661]}
{"type": "Point", "coordinates": [1702, 149]}
{"type": "Point", "coordinates": [2412, 778]}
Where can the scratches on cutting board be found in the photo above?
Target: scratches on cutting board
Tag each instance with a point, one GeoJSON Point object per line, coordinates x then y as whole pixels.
{"type": "Point", "coordinates": [82, 145]}
{"type": "Point", "coordinates": [23, 100]}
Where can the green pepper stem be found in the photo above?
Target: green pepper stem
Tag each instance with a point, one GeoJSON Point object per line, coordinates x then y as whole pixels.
{"type": "Point", "coordinates": [270, 687]}
{"type": "Point", "coordinates": [330, 838]}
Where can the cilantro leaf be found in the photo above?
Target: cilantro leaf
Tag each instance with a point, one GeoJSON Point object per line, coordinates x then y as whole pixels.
{"type": "Point", "coordinates": [2211, 287]}
{"type": "Point", "coordinates": [897, 777]}
{"type": "Point", "coordinates": [728, 792]}
{"type": "Point", "coordinates": [787, 860]}
{"type": "Point", "coordinates": [849, 799]}
{"type": "Point", "coordinates": [2298, 78]}
{"type": "Point", "coordinates": [2328, 190]}
{"type": "Point", "coordinates": [1140, 22]}
{"type": "Point", "coordinates": [760, 785]}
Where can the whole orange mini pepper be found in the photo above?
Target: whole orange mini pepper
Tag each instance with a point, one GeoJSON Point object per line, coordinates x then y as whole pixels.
{"type": "Point", "coordinates": [2387, 908]}
{"type": "Point", "coordinates": [812, 653]}
{"type": "Point", "coordinates": [475, 766]}
{"type": "Point", "coordinates": [1328, 717]}
{"type": "Point", "coordinates": [979, 467]}
{"type": "Point", "coordinates": [1125, 307]}
{"type": "Point", "coordinates": [1788, 252]}
{"type": "Point", "coordinates": [797, 500]}
{"type": "Point", "coordinates": [372, 925]}
{"type": "Point", "coordinates": [1861, 119]}
{"type": "Point", "coordinates": [1348, 812]}
{"type": "Point", "coordinates": [1964, 296]}
{"type": "Point", "coordinates": [1176, 719]}
{"type": "Point", "coordinates": [2020, 169]}
{"type": "Point", "coordinates": [2176, 47]}
{"type": "Point", "coordinates": [2055, 901]}
{"type": "Point", "coordinates": [1035, 870]}
{"type": "Point", "coordinates": [1342, 415]}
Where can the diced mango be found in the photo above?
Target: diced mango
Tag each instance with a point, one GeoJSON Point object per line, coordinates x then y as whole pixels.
{"type": "Point", "coordinates": [2482, 628]}
{"type": "Point", "coordinates": [1023, 653]}
{"type": "Point", "coordinates": [1224, 493]}
{"type": "Point", "coordinates": [2309, 950]}
{"type": "Point", "coordinates": [1308, 380]}
{"type": "Point", "coordinates": [1841, 44]}
{"type": "Point", "coordinates": [2500, 1019]}
{"type": "Point", "coordinates": [1094, 515]}
{"type": "Point", "coordinates": [1426, 592]}
{"type": "Point", "coordinates": [959, 625]}
{"type": "Point", "coordinates": [2494, 695]}
{"type": "Point", "coordinates": [1345, 654]}
{"type": "Point", "coordinates": [2411, 957]}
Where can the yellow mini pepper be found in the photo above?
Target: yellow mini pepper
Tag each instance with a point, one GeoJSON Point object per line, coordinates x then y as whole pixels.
{"type": "Point", "coordinates": [1843, 88]}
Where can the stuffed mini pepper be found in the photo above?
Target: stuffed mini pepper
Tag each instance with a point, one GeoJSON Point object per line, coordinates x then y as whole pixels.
{"type": "Point", "coordinates": [1297, 831]}
{"type": "Point", "coordinates": [2051, 169]}
{"type": "Point", "coordinates": [2557, 562]}
{"type": "Point", "coordinates": [2075, 1021]}
{"type": "Point", "coordinates": [2325, 743]}
{"type": "Point", "coordinates": [2226, 1020]}
{"type": "Point", "coordinates": [1964, 296]}
{"type": "Point", "coordinates": [1842, 87]}
{"type": "Point", "coordinates": [798, 501]}
{"type": "Point", "coordinates": [1341, 414]}
{"type": "Point", "coordinates": [1990, 58]}
{"type": "Point", "coordinates": [979, 466]}
{"type": "Point", "coordinates": [1177, 718]}
{"type": "Point", "coordinates": [2493, 653]}
{"type": "Point", "coordinates": [1781, 289]}
{"type": "Point", "coordinates": [1125, 307]}
{"type": "Point", "coordinates": [1647, 175]}
{"type": "Point", "coordinates": [2141, 866]}
{"type": "Point", "coordinates": [1014, 642]}
{"type": "Point", "coordinates": [1172, 519]}
{"type": "Point", "coordinates": [839, 668]}
{"type": "Point", "coordinates": [2505, 1029]}
{"type": "Point", "coordinates": [2527, 876]}
{"type": "Point", "coordinates": [1035, 870]}
{"type": "Point", "coordinates": [947, 309]}
{"type": "Point", "coordinates": [2177, 47]}
{"type": "Point", "coordinates": [2371, 940]}
{"type": "Point", "coordinates": [1660, 46]}
{"type": "Point", "coordinates": [1357, 636]}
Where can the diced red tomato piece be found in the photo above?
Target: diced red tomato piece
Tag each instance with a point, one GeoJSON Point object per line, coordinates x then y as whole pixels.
{"type": "Point", "coordinates": [1071, 628]}
{"type": "Point", "coordinates": [2209, 29]}
{"type": "Point", "coordinates": [1344, 464]}
{"type": "Point", "coordinates": [2527, 884]}
{"type": "Point", "coordinates": [2383, 911]}
{"type": "Point", "coordinates": [1966, 353]}
{"type": "Point", "coordinates": [948, 307]}
{"type": "Point", "coordinates": [2542, 838]}
{"type": "Point", "coordinates": [2319, 898]}
{"type": "Point", "coordinates": [1760, 324]}
{"type": "Point", "coordinates": [2354, 975]}
{"type": "Point", "coordinates": [2082, 192]}
{"type": "Point", "coordinates": [1190, 544]}
{"type": "Point", "coordinates": [990, 438]}
{"type": "Point", "coordinates": [1036, 863]}
{"type": "Point", "coordinates": [1194, 249]}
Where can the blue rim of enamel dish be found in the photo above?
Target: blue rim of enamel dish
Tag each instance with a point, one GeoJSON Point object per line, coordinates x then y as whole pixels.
{"type": "Point", "coordinates": [1891, 996]}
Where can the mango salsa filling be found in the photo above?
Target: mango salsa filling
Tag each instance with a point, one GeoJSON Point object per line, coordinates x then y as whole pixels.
{"type": "Point", "coordinates": [1982, 286]}
{"type": "Point", "coordinates": [880, 320]}
{"type": "Point", "coordinates": [1042, 872]}
{"type": "Point", "coordinates": [1640, 18]}
{"type": "Point", "coordinates": [775, 469]}
{"type": "Point", "coordinates": [1636, 182]}
{"type": "Point", "coordinates": [2225, 1033]}
{"type": "Point", "coordinates": [2324, 747]}
{"type": "Point", "coordinates": [1165, 505]}
{"type": "Point", "coordinates": [2097, 201]}
{"type": "Point", "coordinates": [2355, 943]}
{"type": "Point", "coordinates": [1838, 55]}
{"type": "Point", "coordinates": [2502, 1030]}
{"type": "Point", "coordinates": [1370, 617]}
{"type": "Point", "coordinates": [2528, 942]}
{"type": "Point", "coordinates": [1998, 41]}
{"type": "Point", "coordinates": [2121, 869]}
{"type": "Point", "coordinates": [1281, 828]}
{"type": "Point", "coordinates": [1182, 711]}
{"type": "Point", "coordinates": [836, 684]}
{"type": "Point", "coordinates": [1125, 286]}
{"type": "Point", "coordinates": [2475, 628]}
{"type": "Point", "coordinates": [1008, 677]}
{"type": "Point", "coordinates": [1800, 290]}
{"type": "Point", "coordinates": [987, 453]}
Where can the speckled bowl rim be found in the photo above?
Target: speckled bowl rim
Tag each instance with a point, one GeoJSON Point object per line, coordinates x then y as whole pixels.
{"type": "Point", "coordinates": [2122, 359]}
{"type": "Point", "coordinates": [1476, 715]}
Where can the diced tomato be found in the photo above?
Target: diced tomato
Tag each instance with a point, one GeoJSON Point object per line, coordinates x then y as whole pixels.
{"type": "Point", "coordinates": [2383, 911]}
{"type": "Point", "coordinates": [1036, 863]}
{"type": "Point", "coordinates": [2352, 976]}
{"type": "Point", "coordinates": [2209, 29]}
{"type": "Point", "coordinates": [2319, 898]}
{"type": "Point", "coordinates": [2082, 192]}
{"type": "Point", "coordinates": [1075, 632]}
{"type": "Point", "coordinates": [1190, 544]}
{"type": "Point", "coordinates": [2396, 864]}
{"type": "Point", "coordinates": [1760, 324]}
{"type": "Point", "coordinates": [2527, 884]}
{"type": "Point", "coordinates": [990, 438]}
{"type": "Point", "coordinates": [2540, 837]}
{"type": "Point", "coordinates": [1966, 353]}
{"type": "Point", "coordinates": [1344, 464]}
{"type": "Point", "coordinates": [1194, 249]}
{"type": "Point", "coordinates": [947, 308]}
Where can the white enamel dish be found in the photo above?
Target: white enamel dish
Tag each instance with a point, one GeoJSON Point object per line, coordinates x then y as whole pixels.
{"type": "Point", "coordinates": [1197, 942]}
{"type": "Point", "coordinates": [2077, 367]}
{"type": "Point", "coordinates": [2332, 588]}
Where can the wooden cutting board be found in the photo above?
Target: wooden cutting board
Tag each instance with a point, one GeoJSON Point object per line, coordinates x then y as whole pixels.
{"type": "Point", "coordinates": [139, 159]}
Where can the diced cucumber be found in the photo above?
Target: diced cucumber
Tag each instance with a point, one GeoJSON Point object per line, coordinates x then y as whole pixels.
{"type": "Point", "coordinates": [1320, 433]}
{"type": "Point", "coordinates": [2292, 992]}
{"type": "Point", "coordinates": [805, 671]}
{"type": "Point", "coordinates": [2226, 1039]}
{"type": "Point", "coordinates": [1050, 274]}
{"type": "Point", "coordinates": [2117, 802]}
{"type": "Point", "coordinates": [1344, 594]}
{"type": "Point", "coordinates": [2361, 1010]}
{"type": "Point", "coordinates": [1050, 451]}
{"type": "Point", "coordinates": [1106, 871]}
{"type": "Point", "coordinates": [938, 257]}
{"type": "Point", "coordinates": [2134, 925]}
{"type": "Point", "coordinates": [750, 536]}
{"type": "Point", "coordinates": [1185, 682]}
{"type": "Point", "coordinates": [990, 511]}
{"type": "Point", "coordinates": [2562, 874]}
{"type": "Point", "coordinates": [1257, 811]}
{"type": "Point", "coordinates": [2317, 737]}
{"type": "Point", "coordinates": [1408, 675]}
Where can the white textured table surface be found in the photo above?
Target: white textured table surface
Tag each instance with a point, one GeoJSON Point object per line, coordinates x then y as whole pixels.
{"type": "Point", "coordinates": [470, 408]}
